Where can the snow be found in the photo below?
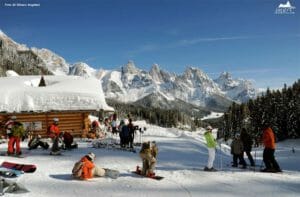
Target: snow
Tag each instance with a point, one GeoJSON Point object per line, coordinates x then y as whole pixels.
{"type": "Point", "coordinates": [61, 93]}
{"type": "Point", "coordinates": [182, 155]}
{"type": "Point", "coordinates": [212, 115]}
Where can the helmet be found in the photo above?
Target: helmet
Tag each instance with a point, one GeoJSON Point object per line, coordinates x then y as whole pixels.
{"type": "Point", "coordinates": [91, 156]}
{"type": "Point", "coordinates": [55, 119]}
{"type": "Point", "coordinates": [209, 128]}
{"type": "Point", "coordinates": [13, 118]}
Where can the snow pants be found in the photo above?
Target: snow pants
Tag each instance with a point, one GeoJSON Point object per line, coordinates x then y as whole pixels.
{"type": "Point", "coordinates": [241, 159]}
{"type": "Point", "coordinates": [55, 146]}
{"type": "Point", "coordinates": [269, 159]}
{"type": "Point", "coordinates": [11, 143]}
{"type": "Point", "coordinates": [148, 167]}
{"type": "Point", "coordinates": [248, 153]}
{"type": "Point", "coordinates": [98, 171]}
{"type": "Point", "coordinates": [211, 157]}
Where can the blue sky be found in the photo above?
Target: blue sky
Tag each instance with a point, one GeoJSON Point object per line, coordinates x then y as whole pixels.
{"type": "Point", "coordinates": [243, 37]}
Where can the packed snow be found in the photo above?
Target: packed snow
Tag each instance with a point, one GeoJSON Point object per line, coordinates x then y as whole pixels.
{"type": "Point", "coordinates": [21, 93]}
{"type": "Point", "coordinates": [181, 158]}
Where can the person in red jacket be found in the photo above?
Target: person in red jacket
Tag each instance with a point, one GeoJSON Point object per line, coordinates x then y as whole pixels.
{"type": "Point", "coordinates": [268, 154]}
{"type": "Point", "coordinates": [54, 134]}
{"type": "Point", "coordinates": [89, 169]}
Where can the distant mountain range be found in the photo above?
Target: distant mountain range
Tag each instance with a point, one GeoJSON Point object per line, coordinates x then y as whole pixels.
{"type": "Point", "coordinates": [129, 84]}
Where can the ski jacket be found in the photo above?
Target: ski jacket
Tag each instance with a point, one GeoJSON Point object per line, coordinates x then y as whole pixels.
{"type": "Point", "coordinates": [237, 147]}
{"type": "Point", "coordinates": [247, 141]}
{"type": "Point", "coordinates": [17, 130]}
{"type": "Point", "coordinates": [210, 140]}
{"type": "Point", "coordinates": [87, 168]}
{"type": "Point", "coordinates": [269, 138]}
{"type": "Point", "coordinates": [54, 131]}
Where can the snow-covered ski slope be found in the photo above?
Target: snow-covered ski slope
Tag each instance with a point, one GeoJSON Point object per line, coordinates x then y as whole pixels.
{"type": "Point", "coordinates": [182, 156]}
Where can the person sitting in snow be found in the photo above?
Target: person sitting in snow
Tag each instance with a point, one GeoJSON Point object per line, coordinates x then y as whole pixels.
{"type": "Point", "coordinates": [211, 147]}
{"type": "Point", "coordinates": [36, 141]}
{"type": "Point", "coordinates": [68, 140]}
{"type": "Point", "coordinates": [95, 131]}
{"type": "Point", "coordinates": [148, 155]}
{"type": "Point", "coordinates": [89, 169]}
{"type": "Point", "coordinates": [237, 150]}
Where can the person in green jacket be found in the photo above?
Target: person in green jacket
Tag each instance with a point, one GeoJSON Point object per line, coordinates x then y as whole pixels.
{"type": "Point", "coordinates": [211, 146]}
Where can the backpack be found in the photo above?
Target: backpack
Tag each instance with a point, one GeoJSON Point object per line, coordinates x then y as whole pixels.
{"type": "Point", "coordinates": [77, 169]}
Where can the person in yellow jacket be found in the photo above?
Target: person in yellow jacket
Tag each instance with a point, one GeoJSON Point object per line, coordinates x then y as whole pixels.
{"type": "Point", "coordinates": [211, 147]}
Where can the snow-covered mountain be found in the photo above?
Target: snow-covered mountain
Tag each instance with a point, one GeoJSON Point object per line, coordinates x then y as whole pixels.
{"type": "Point", "coordinates": [236, 89]}
{"type": "Point", "coordinates": [129, 83]}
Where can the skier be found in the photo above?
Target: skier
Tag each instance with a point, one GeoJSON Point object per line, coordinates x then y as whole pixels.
{"type": "Point", "coordinates": [247, 143]}
{"type": "Point", "coordinates": [268, 154]}
{"type": "Point", "coordinates": [15, 132]}
{"type": "Point", "coordinates": [148, 155]}
{"type": "Point", "coordinates": [211, 146]}
{"type": "Point", "coordinates": [89, 169]}
{"type": "Point", "coordinates": [54, 134]}
{"type": "Point", "coordinates": [124, 134]}
{"type": "Point", "coordinates": [237, 150]}
{"type": "Point", "coordinates": [131, 133]}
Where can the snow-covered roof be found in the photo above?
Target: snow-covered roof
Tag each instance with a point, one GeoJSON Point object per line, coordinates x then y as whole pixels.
{"type": "Point", "coordinates": [21, 93]}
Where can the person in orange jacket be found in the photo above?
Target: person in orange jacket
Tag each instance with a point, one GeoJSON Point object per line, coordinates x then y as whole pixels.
{"type": "Point", "coordinates": [89, 169]}
{"type": "Point", "coordinates": [54, 134]}
{"type": "Point", "coordinates": [268, 154]}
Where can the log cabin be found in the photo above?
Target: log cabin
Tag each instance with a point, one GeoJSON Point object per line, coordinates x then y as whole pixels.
{"type": "Point", "coordinates": [70, 98]}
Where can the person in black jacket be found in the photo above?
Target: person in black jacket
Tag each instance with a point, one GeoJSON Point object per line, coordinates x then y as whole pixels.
{"type": "Point", "coordinates": [247, 142]}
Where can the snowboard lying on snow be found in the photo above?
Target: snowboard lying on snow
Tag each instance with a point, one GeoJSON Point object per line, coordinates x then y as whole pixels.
{"type": "Point", "coordinates": [27, 168]}
{"type": "Point", "coordinates": [153, 177]}
{"type": "Point", "coordinates": [10, 173]}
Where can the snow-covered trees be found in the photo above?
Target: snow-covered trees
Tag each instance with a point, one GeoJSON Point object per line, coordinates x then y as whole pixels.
{"type": "Point", "coordinates": [280, 109]}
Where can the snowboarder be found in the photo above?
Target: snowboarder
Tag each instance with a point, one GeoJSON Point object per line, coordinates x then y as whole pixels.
{"type": "Point", "coordinates": [37, 141]}
{"type": "Point", "coordinates": [89, 169]}
{"type": "Point", "coordinates": [247, 143]}
{"type": "Point", "coordinates": [148, 155]}
{"type": "Point", "coordinates": [68, 140]}
{"type": "Point", "coordinates": [268, 154]}
{"type": "Point", "coordinates": [211, 147]}
{"type": "Point", "coordinates": [54, 134]}
{"type": "Point", "coordinates": [237, 150]}
{"type": "Point", "coordinates": [15, 132]}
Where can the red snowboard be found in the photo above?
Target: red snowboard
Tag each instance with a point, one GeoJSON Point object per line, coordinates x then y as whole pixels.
{"type": "Point", "coordinates": [27, 168]}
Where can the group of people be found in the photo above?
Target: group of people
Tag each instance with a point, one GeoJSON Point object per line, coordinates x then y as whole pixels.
{"type": "Point", "coordinates": [86, 168]}
{"type": "Point", "coordinates": [15, 132]}
{"type": "Point", "coordinates": [242, 143]}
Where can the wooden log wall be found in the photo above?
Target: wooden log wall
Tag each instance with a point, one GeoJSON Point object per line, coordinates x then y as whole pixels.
{"type": "Point", "coordinates": [77, 123]}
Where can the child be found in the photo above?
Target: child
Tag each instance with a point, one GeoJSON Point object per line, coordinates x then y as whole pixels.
{"type": "Point", "coordinates": [237, 150]}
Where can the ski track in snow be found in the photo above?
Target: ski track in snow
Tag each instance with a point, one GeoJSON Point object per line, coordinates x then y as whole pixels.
{"type": "Point", "coordinates": [182, 156]}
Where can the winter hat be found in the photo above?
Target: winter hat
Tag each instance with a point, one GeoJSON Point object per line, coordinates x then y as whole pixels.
{"type": "Point", "coordinates": [237, 135]}
{"type": "Point", "coordinates": [55, 119]}
{"type": "Point", "coordinates": [13, 118]}
{"type": "Point", "coordinates": [209, 128]}
{"type": "Point", "coordinates": [91, 156]}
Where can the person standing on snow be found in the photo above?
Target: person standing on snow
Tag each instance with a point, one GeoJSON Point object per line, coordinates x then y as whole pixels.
{"type": "Point", "coordinates": [89, 169]}
{"type": "Point", "coordinates": [268, 154]}
{"type": "Point", "coordinates": [15, 132]}
{"type": "Point", "coordinates": [237, 150]}
{"type": "Point", "coordinates": [247, 143]}
{"type": "Point", "coordinates": [211, 147]}
{"type": "Point", "coordinates": [54, 134]}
